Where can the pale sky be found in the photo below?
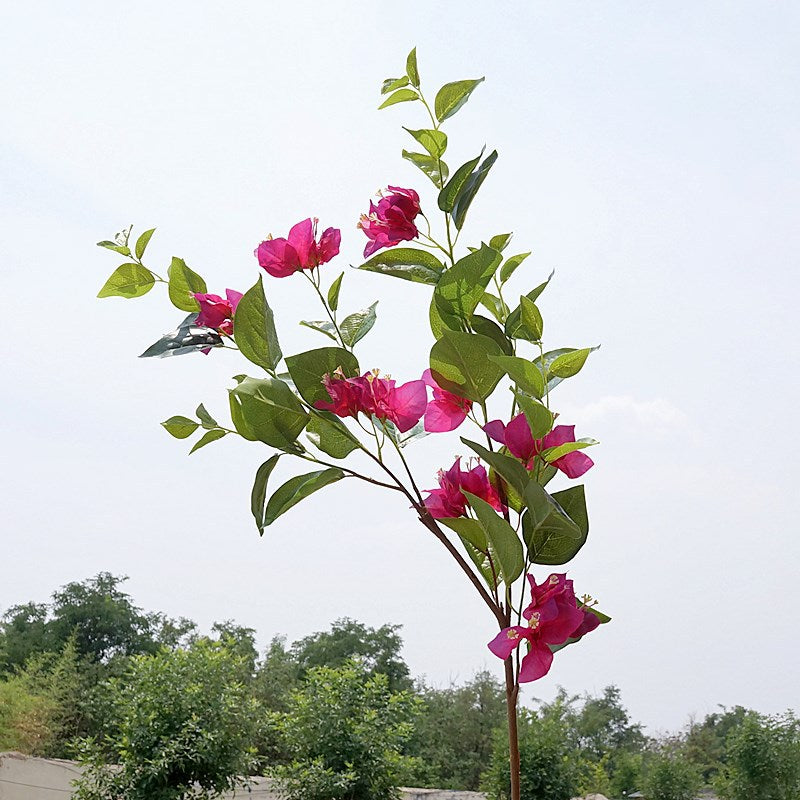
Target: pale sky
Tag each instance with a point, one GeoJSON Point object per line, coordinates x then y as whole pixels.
{"type": "Point", "coordinates": [648, 153]}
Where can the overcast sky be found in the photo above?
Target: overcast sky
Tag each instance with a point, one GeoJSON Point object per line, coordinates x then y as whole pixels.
{"type": "Point", "coordinates": [648, 154]}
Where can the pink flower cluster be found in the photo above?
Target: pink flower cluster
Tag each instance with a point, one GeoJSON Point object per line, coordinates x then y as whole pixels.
{"type": "Point", "coordinates": [300, 250]}
{"type": "Point", "coordinates": [449, 499]}
{"type": "Point", "coordinates": [447, 410]}
{"type": "Point", "coordinates": [217, 312]}
{"type": "Point", "coordinates": [376, 397]}
{"type": "Point", "coordinates": [391, 220]}
{"type": "Point", "coordinates": [553, 616]}
{"type": "Point", "coordinates": [517, 437]}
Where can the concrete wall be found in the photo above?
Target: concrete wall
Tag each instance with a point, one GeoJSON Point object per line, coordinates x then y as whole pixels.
{"type": "Point", "coordinates": [27, 778]}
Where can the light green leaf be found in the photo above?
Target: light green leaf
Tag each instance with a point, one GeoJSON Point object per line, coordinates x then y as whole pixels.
{"type": "Point", "coordinates": [207, 438]}
{"type": "Point", "coordinates": [434, 168]}
{"type": "Point", "coordinates": [321, 326]}
{"type": "Point", "coordinates": [180, 427]}
{"type": "Point", "coordinates": [500, 242]}
{"type": "Point", "coordinates": [254, 328]}
{"type": "Point", "coordinates": [390, 84]}
{"type": "Point", "coordinates": [554, 453]}
{"type": "Point", "coordinates": [530, 320]}
{"type": "Point", "coordinates": [502, 537]}
{"type": "Point", "coordinates": [435, 142]}
{"type": "Point", "coordinates": [470, 188]}
{"type": "Point", "coordinates": [407, 263]}
{"type": "Point", "coordinates": [468, 529]}
{"type": "Point", "coordinates": [461, 288]}
{"type": "Point", "coordinates": [507, 270]}
{"type": "Point", "coordinates": [183, 283]}
{"type": "Point", "coordinates": [128, 280]}
{"type": "Point", "coordinates": [400, 96]}
{"type": "Point", "coordinates": [539, 417]}
{"type": "Point", "coordinates": [513, 321]}
{"type": "Point", "coordinates": [495, 306]}
{"type": "Point", "coordinates": [448, 195]}
{"type": "Point", "coordinates": [569, 364]}
{"type": "Point", "coordinates": [308, 369]}
{"type": "Point", "coordinates": [328, 433]}
{"type": "Point", "coordinates": [452, 96]}
{"type": "Point", "coordinates": [460, 364]}
{"type": "Point", "coordinates": [206, 420]}
{"type": "Point", "coordinates": [117, 248]}
{"type": "Point", "coordinates": [333, 293]}
{"type": "Point", "coordinates": [297, 489]}
{"type": "Point", "coordinates": [258, 495]}
{"type": "Point", "coordinates": [142, 242]}
{"type": "Point", "coordinates": [525, 374]}
{"type": "Point", "coordinates": [356, 326]}
{"type": "Point", "coordinates": [411, 68]}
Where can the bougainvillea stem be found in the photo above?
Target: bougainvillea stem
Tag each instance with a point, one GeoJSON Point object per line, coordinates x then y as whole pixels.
{"type": "Point", "coordinates": [512, 691]}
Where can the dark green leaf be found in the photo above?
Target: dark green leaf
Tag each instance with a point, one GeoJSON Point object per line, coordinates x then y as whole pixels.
{"type": "Point", "coordinates": [540, 418]}
{"type": "Point", "coordinates": [434, 168]}
{"type": "Point", "coordinates": [321, 326]}
{"type": "Point", "coordinates": [206, 420]}
{"type": "Point", "coordinates": [390, 84]}
{"type": "Point", "coordinates": [188, 337]}
{"type": "Point", "coordinates": [452, 96]}
{"type": "Point", "coordinates": [142, 242]}
{"type": "Point", "coordinates": [266, 410]}
{"type": "Point", "coordinates": [308, 369]}
{"type": "Point", "coordinates": [333, 293]}
{"type": "Point", "coordinates": [469, 530]}
{"type": "Point", "coordinates": [485, 327]}
{"type": "Point", "coordinates": [508, 468]}
{"type": "Point", "coordinates": [254, 328]}
{"type": "Point", "coordinates": [507, 270]}
{"type": "Point", "coordinates": [573, 502]}
{"type": "Point", "coordinates": [258, 496]}
{"type": "Point", "coordinates": [297, 489]}
{"type": "Point", "coordinates": [328, 433]}
{"type": "Point", "coordinates": [569, 364]}
{"type": "Point", "coordinates": [551, 535]}
{"type": "Point", "coordinates": [530, 320]}
{"type": "Point", "coordinates": [356, 326]}
{"type": "Point", "coordinates": [460, 364]}
{"type": "Point", "coordinates": [408, 263]}
{"type": "Point", "coordinates": [513, 321]}
{"type": "Point", "coordinates": [461, 288]}
{"type": "Point", "coordinates": [128, 280]}
{"type": "Point", "coordinates": [207, 438]}
{"type": "Point", "coordinates": [180, 427]}
{"type": "Point", "coordinates": [183, 283]}
{"type": "Point", "coordinates": [435, 142]}
{"type": "Point", "coordinates": [481, 561]}
{"type": "Point", "coordinates": [502, 537]}
{"type": "Point", "coordinates": [400, 96]}
{"type": "Point", "coordinates": [495, 306]}
{"type": "Point", "coordinates": [411, 67]}
{"type": "Point", "coordinates": [525, 374]}
{"type": "Point", "coordinates": [448, 195]}
{"type": "Point", "coordinates": [470, 188]}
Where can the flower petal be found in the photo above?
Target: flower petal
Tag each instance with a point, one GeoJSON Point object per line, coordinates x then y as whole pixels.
{"type": "Point", "coordinates": [508, 640]}
{"type": "Point", "coordinates": [536, 663]}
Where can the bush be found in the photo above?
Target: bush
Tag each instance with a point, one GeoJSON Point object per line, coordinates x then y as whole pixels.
{"type": "Point", "coordinates": [344, 731]}
{"type": "Point", "coordinates": [24, 718]}
{"type": "Point", "coordinates": [670, 776]}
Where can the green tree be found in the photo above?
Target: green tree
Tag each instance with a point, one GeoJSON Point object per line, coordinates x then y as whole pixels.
{"type": "Point", "coordinates": [706, 741]}
{"type": "Point", "coordinates": [669, 775]}
{"type": "Point", "coordinates": [378, 649]}
{"type": "Point", "coordinates": [23, 633]}
{"type": "Point", "coordinates": [24, 718]}
{"type": "Point", "coordinates": [763, 759]}
{"type": "Point", "coordinates": [345, 731]}
{"type": "Point", "coordinates": [180, 725]}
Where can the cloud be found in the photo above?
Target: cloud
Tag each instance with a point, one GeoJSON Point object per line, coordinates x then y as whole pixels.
{"type": "Point", "coordinates": [655, 413]}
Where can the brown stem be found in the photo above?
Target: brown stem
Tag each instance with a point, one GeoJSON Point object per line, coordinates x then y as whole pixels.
{"type": "Point", "coordinates": [512, 690]}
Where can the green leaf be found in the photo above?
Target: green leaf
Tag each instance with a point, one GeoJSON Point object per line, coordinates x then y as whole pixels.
{"type": "Point", "coordinates": [356, 326]}
{"type": "Point", "coordinates": [500, 242]}
{"type": "Point", "coordinates": [486, 327]}
{"type": "Point", "coordinates": [530, 320]}
{"type": "Point", "coordinates": [206, 420]}
{"type": "Point", "coordinates": [502, 537]}
{"type": "Point", "coordinates": [390, 84]}
{"type": "Point", "coordinates": [551, 535]}
{"type": "Point", "coordinates": [180, 427]}
{"type": "Point", "coordinates": [117, 248]}
{"type": "Point", "coordinates": [408, 263]}
{"type": "Point", "coordinates": [435, 142]}
{"type": "Point", "coordinates": [469, 530]}
{"type": "Point", "coordinates": [434, 168]}
{"type": "Point", "coordinates": [460, 364]}
{"type": "Point", "coordinates": [400, 96]}
{"type": "Point", "coordinates": [321, 326]}
{"type": "Point", "coordinates": [569, 364]}
{"type": "Point", "coordinates": [452, 96]}
{"type": "Point", "coordinates": [188, 337]}
{"type": "Point", "coordinates": [308, 369]}
{"type": "Point", "coordinates": [513, 321]}
{"type": "Point", "coordinates": [258, 496]}
{"type": "Point", "coordinates": [333, 293]}
{"type": "Point", "coordinates": [207, 438]}
{"type": "Point", "coordinates": [411, 68]}
{"type": "Point", "coordinates": [573, 503]}
{"type": "Point", "coordinates": [461, 288]}
{"type": "Point", "coordinates": [183, 283]}
{"type": "Point", "coordinates": [507, 270]}
{"type": "Point", "coordinates": [266, 410]}
{"type": "Point", "coordinates": [481, 561]}
{"type": "Point", "coordinates": [297, 489]}
{"type": "Point", "coordinates": [142, 242]}
{"type": "Point", "coordinates": [128, 280]}
{"type": "Point", "coordinates": [470, 188]}
{"type": "Point", "coordinates": [540, 418]}
{"type": "Point", "coordinates": [254, 328]}
{"type": "Point", "coordinates": [525, 374]}
{"type": "Point", "coordinates": [554, 453]}
{"type": "Point", "coordinates": [448, 195]}
{"type": "Point", "coordinates": [508, 468]}
{"type": "Point", "coordinates": [494, 305]}
{"type": "Point", "coordinates": [328, 433]}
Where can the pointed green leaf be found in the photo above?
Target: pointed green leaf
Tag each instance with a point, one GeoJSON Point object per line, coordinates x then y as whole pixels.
{"type": "Point", "coordinates": [551, 534]}
{"type": "Point", "coordinates": [128, 280]}
{"type": "Point", "coordinates": [539, 417]}
{"type": "Point", "coordinates": [495, 306]}
{"type": "Point", "coordinates": [309, 368]}
{"type": "Point", "coordinates": [507, 270]}
{"type": "Point", "coordinates": [254, 328]}
{"type": "Point", "coordinates": [180, 427]}
{"type": "Point", "coordinates": [435, 142]}
{"type": "Point", "coordinates": [116, 247]}
{"type": "Point", "coordinates": [328, 433]}
{"type": "Point", "coordinates": [530, 319]}
{"type": "Point", "coordinates": [258, 495]}
{"type": "Point", "coordinates": [207, 438]}
{"type": "Point", "coordinates": [321, 326]}
{"type": "Point", "coordinates": [183, 284]}
{"type": "Point", "coordinates": [356, 326]}
{"type": "Point", "coordinates": [333, 293]}
{"type": "Point", "coordinates": [461, 288]}
{"type": "Point", "coordinates": [509, 468]}
{"type": "Point", "coordinates": [142, 242]}
{"type": "Point", "coordinates": [390, 84]}
{"type": "Point", "coordinates": [468, 529]}
{"type": "Point", "coordinates": [554, 453]}
{"type": "Point", "coordinates": [448, 195]}
{"type": "Point", "coordinates": [513, 322]}
{"type": "Point", "coordinates": [435, 169]}
{"type": "Point", "coordinates": [297, 489]}
{"type": "Point", "coordinates": [500, 242]}
{"type": "Point", "coordinates": [502, 537]}
{"type": "Point", "coordinates": [400, 96]}
{"type": "Point", "coordinates": [206, 420]}
{"type": "Point", "coordinates": [485, 327]}
{"type": "Point", "coordinates": [569, 364]}
{"type": "Point", "coordinates": [409, 263]}
{"type": "Point", "coordinates": [460, 364]}
{"type": "Point", "coordinates": [525, 374]}
{"type": "Point", "coordinates": [470, 188]}
{"type": "Point", "coordinates": [452, 96]}
{"type": "Point", "coordinates": [411, 68]}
